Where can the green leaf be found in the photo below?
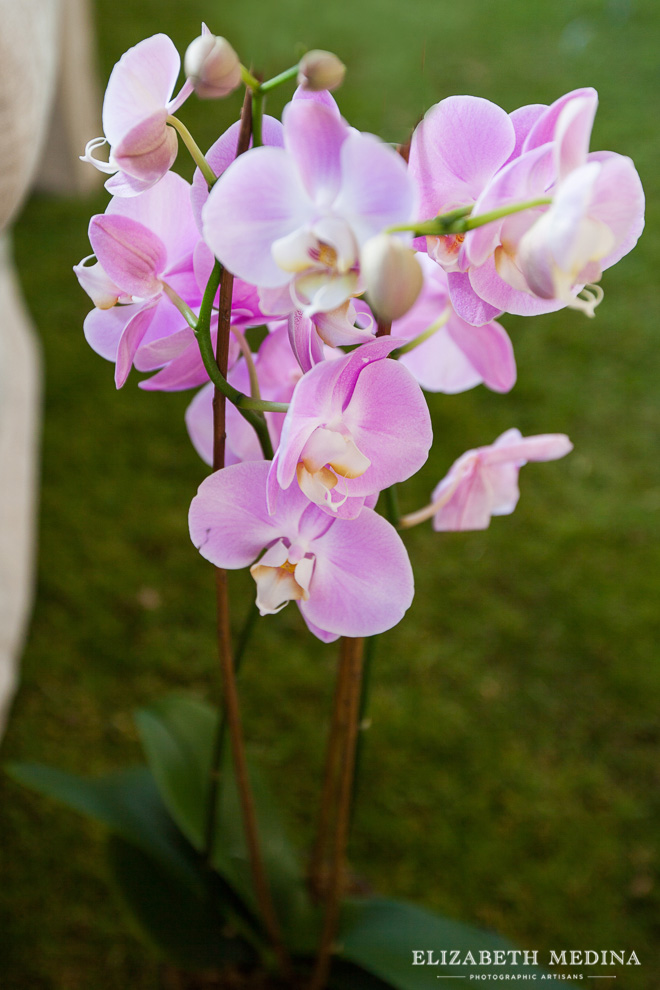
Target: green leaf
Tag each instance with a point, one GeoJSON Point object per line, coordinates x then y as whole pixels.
{"type": "Point", "coordinates": [178, 735]}
{"type": "Point", "coordinates": [189, 928]}
{"type": "Point", "coordinates": [126, 801]}
{"type": "Point", "coordinates": [380, 935]}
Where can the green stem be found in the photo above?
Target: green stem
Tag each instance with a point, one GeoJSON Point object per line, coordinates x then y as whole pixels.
{"type": "Point", "coordinates": [181, 305]}
{"type": "Point", "coordinates": [505, 211]}
{"type": "Point", "coordinates": [460, 221]}
{"type": "Point", "coordinates": [260, 405]}
{"type": "Point", "coordinates": [249, 80]}
{"type": "Point", "coordinates": [257, 117]}
{"type": "Point", "coordinates": [277, 80]}
{"type": "Point", "coordinates": [249, 408]}
{"type": "Point", "coordinates": [194, 149]}
{"type": "Point", "coordinates": [420, 338]}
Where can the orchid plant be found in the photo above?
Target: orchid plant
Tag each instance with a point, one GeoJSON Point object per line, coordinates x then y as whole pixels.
{"type": "Point", "coordinates": [312, 282]}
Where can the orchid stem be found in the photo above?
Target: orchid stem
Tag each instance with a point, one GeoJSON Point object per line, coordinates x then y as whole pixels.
{"type": "Point", "coordinates": [181, 305]}
{"type": "Point", "coordinates": [277, 80]}
{"type": "Point", "coordinates": [194, 149]}
{"type": "Point", "coordinates": [230, 692]}
{"type": "Point", "coordinates": [249, 80]}
{"type": "Point", "coordinates": [317, 872]}
{"type": "Point", "coordinates": [421, 515]}
{"type": "Point", "coordinates": [422, 337]}
{"type": "Point", "coordinates": [505, 211]}
{"type": "Point", "coordinates": [257, 117]}
{"type": "Point", "coordinates": [351, 673]}
{"type": "Point", "coordinates": [248, 407]}
{"type": "Point", "coordinates": [460, 221]}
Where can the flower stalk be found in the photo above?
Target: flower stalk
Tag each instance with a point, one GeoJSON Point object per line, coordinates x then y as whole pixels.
{"type": "Point", "coordinates": [344, 741]}
{"type": "Point", "coordinates": [460, 221]}
{"type": "Point", "coordinates": [228, 671]}
{"type": "Point", "coordinates": [195, 151]}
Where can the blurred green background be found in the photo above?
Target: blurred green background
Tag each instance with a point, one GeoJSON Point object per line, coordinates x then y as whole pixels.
{"type": "Point", "coordinates": [511, 770]}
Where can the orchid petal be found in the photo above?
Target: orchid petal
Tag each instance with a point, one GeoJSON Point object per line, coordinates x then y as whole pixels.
{"type": "Point", "coordinates": [389, 421]}
{"type": "Point", "coordinates": [469, 303]}
{"type": "Point", "coordinates": [240, 227]}
{"type": "Point", "coordinates": [321, 96]}
{"type": "Point", "coordinates": [305, 341]}
{"type": "Point", "coordinates": [229, 521]}
{"type": "Point", "coordinates": [142, 81]}
{"type": "Point", "coordinates": [363, 582]}
{"type": "Point", "coordinates": [130, 340]}
{"type": "Point", "coordinates": [573, 133]}
{"type": "Point", "coordinates": [131, 255]}
{"type": "Point", "coordinates": [221, 154]}
{"type": "Point", "coordinates": [544, 130]}
{"type": "Point", "coordinates": [314, 135]}
{"type": "Point", "coordinates": [525, 178]}
{"type": "Point", "coordinates": [376, 191]}
{"type": "Point", "coordinates": [455, 151]}
{"type": "Point", "coordinates": [149, 149]}
{"type": "Point", "coordinates": [523, 119]}
{"type": "Point", "coordinates": [488, 286]}
{"type": "Point", "coordinates": [103, 329]}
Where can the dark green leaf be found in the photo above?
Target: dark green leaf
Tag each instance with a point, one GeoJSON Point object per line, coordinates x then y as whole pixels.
{"type": "Point", "coordinates": [126, 801]}
{"type": "Point", "coordinates": [380, 936]}
{"type": "Point", "coordinates": [189, 928]}
{"type": "Point", "coordinates": [178, 735]}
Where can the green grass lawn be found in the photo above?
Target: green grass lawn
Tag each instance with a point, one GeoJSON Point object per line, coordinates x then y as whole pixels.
{"type": "Point", "coordinates": [511, 772]}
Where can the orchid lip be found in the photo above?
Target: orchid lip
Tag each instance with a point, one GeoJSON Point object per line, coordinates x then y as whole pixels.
{"type": "Point", "coordinates": [108, 167]}
{"type": "Point", "coordinates": [280, 579]}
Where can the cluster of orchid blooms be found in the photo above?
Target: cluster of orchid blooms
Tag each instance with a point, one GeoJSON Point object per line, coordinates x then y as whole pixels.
{"type": "Point", "coordinates": [378, 272]}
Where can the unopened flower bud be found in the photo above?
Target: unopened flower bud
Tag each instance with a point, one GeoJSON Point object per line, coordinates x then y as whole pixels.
{"type": "Point", "coordinates": [392, 276]}
{"type": "Point", "coordinates": [212, 66]}
{"type": "Point", "coordinates": [320, 70]}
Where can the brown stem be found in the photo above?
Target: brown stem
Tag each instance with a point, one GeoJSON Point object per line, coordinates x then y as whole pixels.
{"type": "Point", "coordinates": [318, 867]}
{"type": "Point", "coordinates": [351, 661]}
{"type": "Point", "coordinates": [230, 692]}
{"type": "Point", "coordinates": [384, 328]}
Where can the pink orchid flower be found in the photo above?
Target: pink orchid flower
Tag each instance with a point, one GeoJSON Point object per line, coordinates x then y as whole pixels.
{"type": "Point", "coordinates": [484, 482]}
{"type": "Point", "coordinates": [456, 151]}
{"type": "Point", "coordinates": [143, 246]}
{"type": "Point", "coordinates": [596, 217]}
{"type": "Point", "coordinates": [466, 152]}
{"type": "Point", "coordinates": [525, 263]}
{"type": "Point", "coordinates": [296, 217]}
{"type": "Point", "coordinates": [137, 102]}
{"type": "Point", "coordinates": [348, 577]}
{"type": "Point", "coordinates": [540, 260]}
{"type": "Point", "coordinates": [457, 356]}
{"type": "Point", "coordinates": [355, 426]}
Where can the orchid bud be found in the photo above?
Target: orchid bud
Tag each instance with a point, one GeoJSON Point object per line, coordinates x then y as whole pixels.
{"type": "Point", "coordinates": [392, 276]}
{"type": "Point", "coordinates": [320, 70]}
{"type": "Point", "coordinates": [212, 66]}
